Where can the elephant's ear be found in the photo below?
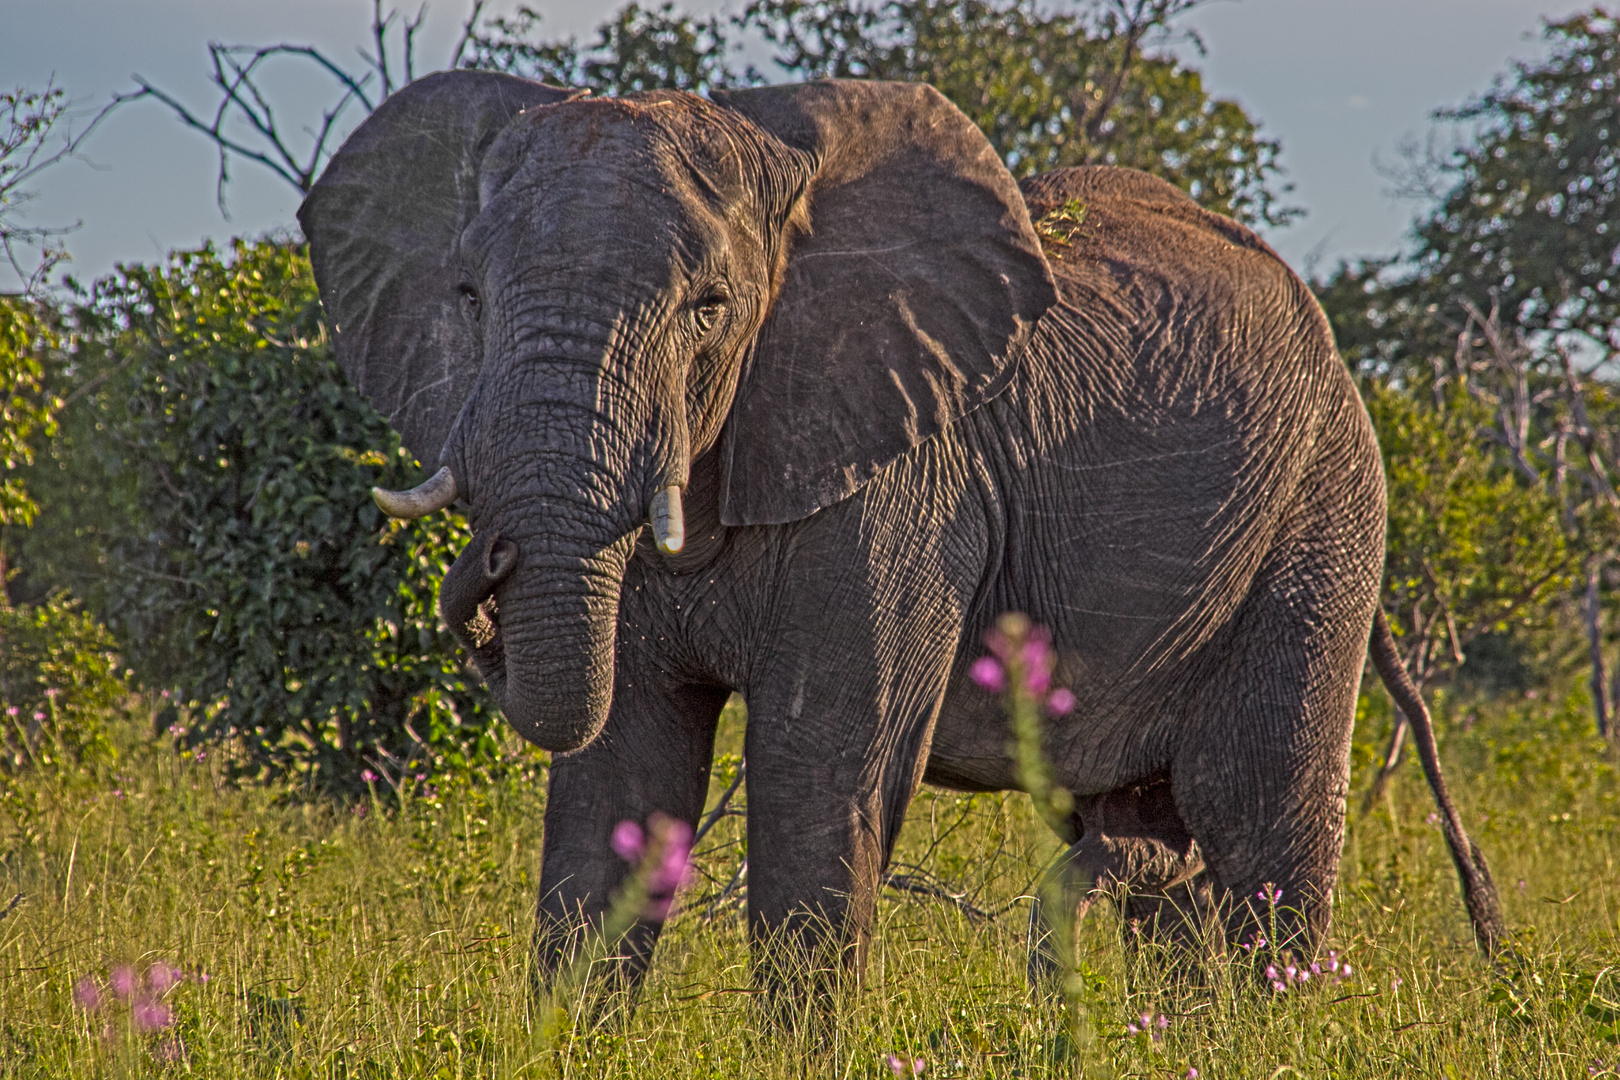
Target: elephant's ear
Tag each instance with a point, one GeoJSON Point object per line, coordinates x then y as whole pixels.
{"type": "Point", "coordinates": [903, 306]}
{"type": "Point", "coordinates": [382, 223]}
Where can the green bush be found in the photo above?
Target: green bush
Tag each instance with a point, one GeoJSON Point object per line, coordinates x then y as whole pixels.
{"type": "Point", "coordinates": [59, 679]}
{"type": "Point", "coordinates": [26, 330]}
{"type": "Point", "coordinates": [207, 494]}
{"type": "Point", "coordinates": [1473, 549]}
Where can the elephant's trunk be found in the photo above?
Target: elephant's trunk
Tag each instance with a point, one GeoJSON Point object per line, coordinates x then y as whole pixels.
{"type": "Point", "coordinates": [540, 624]}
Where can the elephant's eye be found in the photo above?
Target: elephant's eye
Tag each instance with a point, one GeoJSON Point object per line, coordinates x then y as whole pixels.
{"type": "Point", "coordinates": [470, 303]}
{"type": "Point", "coordinates": [710, 309]}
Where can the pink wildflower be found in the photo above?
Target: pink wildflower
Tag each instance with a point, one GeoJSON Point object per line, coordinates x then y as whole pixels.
{"type": "Point", "coordinates": [627, 841]}
{"type": "Point", "coordinates": [1061, 703]}
{"type": "Point", "coordinates": [989, 674]}
{"type": "Point", "coordinates": [151, 1015]}
{"type": "Point", "coordinates": [122, 981]}
{"type": "Point", "coordinates": [905, 1066]}
{"type": "Point", "coordinates": [162, 977]}
{"type": "Point", "coordinates": [368, 776]}
{"type": "Point", "coordinates": [86, 994]}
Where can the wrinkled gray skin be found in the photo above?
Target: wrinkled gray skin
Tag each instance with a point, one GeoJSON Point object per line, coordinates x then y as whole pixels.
{"type": "Point", "coordinates": [823, 311]}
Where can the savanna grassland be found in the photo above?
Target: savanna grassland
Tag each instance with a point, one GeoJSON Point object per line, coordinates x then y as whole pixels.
{"type": "Point", "coordinates": [387, 937]}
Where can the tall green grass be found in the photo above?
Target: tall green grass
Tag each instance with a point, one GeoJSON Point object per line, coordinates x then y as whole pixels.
{"type": "Point", "coordinates": [381, 940]}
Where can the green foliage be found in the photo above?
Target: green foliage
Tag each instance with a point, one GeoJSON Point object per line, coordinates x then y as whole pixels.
{"type": "Point", "coordinates": [1049, 89]}
{"type": "Point", "coordinates": [59, 679]}
{"type": "Point", "coordinates": [1532, 214]}
{"type": "Point", "coordinates": [1526, 216]}
{"type": "Point", "coordinates": [208, 497]}
{"type": "Point", "coordinates": [26, 411]}
{"type": "Point", "coordinates": [636, 49]}
{"type": "Point", "coordinates": [397, 944]}
{"type": "Point", "coordinates": [1473, 549]}
{"type": "Point", "coordinates": [1507, 291]}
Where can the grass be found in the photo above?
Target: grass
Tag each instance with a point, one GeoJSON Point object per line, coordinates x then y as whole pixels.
{"type": "Point", "coordinates": [392, 943]}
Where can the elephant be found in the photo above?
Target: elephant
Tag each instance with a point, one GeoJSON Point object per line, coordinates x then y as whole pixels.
{"type": "Point", "coordinates": [790, 392]}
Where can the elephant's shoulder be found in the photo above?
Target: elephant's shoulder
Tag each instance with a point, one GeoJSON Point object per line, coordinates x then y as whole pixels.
{"type": "Point", "coordinates": [1107, 214]}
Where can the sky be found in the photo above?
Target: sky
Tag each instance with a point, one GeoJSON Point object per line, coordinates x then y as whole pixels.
{"type": "Point", "coordinates": [1339, 83]}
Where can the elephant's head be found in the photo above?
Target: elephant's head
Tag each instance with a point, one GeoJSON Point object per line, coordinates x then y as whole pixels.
{"type": "Point", "coordinates": [565, 301]}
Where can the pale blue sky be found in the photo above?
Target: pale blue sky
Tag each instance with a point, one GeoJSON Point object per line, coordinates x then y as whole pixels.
{"type": "Point", "coordinates": [1339, 82]}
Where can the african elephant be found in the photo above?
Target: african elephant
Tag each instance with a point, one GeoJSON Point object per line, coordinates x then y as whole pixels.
{"type": "Point", "coordinates": [788, 394]}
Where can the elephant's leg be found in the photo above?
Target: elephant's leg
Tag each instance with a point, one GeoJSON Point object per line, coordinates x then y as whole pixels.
{"type": "Point", "coordinates": [1133, 847]}
{"type": "Point", "coordinates": [842, 707]}
{"type": "Point", "coordinates": [1262, 776]}
{"type": "Point", "coordinates": [652, 757]}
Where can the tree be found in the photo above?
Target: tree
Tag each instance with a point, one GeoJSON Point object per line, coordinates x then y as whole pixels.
{"type": "Point", "coordinates": [1048, 89]}
{"type": "Point", "coordinates": [1508, 291]}
{"type": "Point", "coordinates": [244, 123]}
{"type": "Point", "coordinates": [207, 497]}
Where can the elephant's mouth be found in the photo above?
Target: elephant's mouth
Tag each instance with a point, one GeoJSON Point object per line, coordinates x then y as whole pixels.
{"type": "Point", "coordinates": [467, 601]}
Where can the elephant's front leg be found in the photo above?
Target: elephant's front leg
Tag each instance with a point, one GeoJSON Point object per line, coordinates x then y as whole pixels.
{"type": "Point", "coordinates": [652, 758]}
{"type": "Point", "coordinates": [841, 714]}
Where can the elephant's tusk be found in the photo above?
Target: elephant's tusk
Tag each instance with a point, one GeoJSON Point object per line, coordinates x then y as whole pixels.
{"type": "Point", "coordinates": [435, 493]}
{"type": "Point", "coordinates": [668, 520]}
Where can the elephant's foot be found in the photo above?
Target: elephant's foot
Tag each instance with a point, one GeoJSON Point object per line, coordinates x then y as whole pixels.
{"type": "Point", "coordinates": [1134, 850]}
{"type": "Point", "coordinates": [576, 969]}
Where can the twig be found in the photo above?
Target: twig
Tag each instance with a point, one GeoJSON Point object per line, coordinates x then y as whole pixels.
{"type": "Point", "coordinates": [720, 807]}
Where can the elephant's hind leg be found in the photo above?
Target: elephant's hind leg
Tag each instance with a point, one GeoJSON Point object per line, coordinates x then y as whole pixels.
{"type": "Point", "coordinates": [1262, 776]}
{"type": "Point", "coordinates": [1132, 847]}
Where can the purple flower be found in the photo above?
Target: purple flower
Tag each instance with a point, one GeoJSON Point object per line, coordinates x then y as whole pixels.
{"type": "Point", "coordinates": [122, 981]}
{"type": "Point", "coordinates": [675, 855]}
{"type": "Point", "coordinates": [51, 692]}
{"type": "Point", "coordinates": [162, 977]}
{"type": "Point", "coordinates": [1433, 818]}
{"type": "Point", "coordinates": [1279, 986]}
{"type": "Point", "coordinates": [1163, 1021]}
{"type": "Point", "coordinates": [201, 754]}
{"type": "Point", "coordinates": [1269, 895]}
{"type": "Point", "coordinates": [86, 994]}
{"type": "Point", "coordinates": [39, 716]}
{"type": "Point", "coordinates": [1192, 1073]}
{"type": "Point", "coordinates": [1061, 703]}
{"type": "Point", "coordinates": [627, 841]}
{"type": "Point", "coordinates": [1133, 1029]}
{"type": "Point", "coordinates": [368, 776]}
{"type": "Point", "coordinates": [905, 1066]}
{"type": "Point", "coordinates": [1038, 659]}
{"type": "Point", "coordinates": [11, 710]}
{"type": "Point", "coordinates": [1345, 971]}
{"type": "Point", "coordinates": [989, 674]}
{"type": "Point", "coordinates": [151, 1015]}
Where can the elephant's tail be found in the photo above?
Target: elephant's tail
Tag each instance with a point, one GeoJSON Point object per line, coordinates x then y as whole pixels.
{"type": "Point", "coordinates": [1479, 892]}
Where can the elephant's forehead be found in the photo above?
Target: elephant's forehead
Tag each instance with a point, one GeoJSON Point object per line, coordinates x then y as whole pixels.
{"type": "Point", "coordinates": [673, 139]}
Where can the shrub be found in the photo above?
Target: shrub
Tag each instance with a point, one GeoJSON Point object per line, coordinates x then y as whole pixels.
{"type": "Point", "coordinates": [59, 679]}
{"type": "Point", "coordinates": [208, 495]}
